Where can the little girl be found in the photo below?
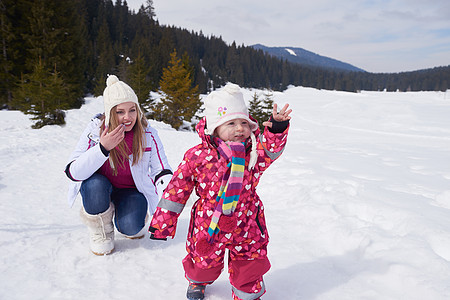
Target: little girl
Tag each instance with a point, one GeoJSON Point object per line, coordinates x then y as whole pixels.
{"type": "Point", "coordinates": [224, 170]}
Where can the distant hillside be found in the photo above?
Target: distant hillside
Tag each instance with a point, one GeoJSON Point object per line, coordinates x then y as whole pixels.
{"type": "Point", "coordinates": [304, 57]}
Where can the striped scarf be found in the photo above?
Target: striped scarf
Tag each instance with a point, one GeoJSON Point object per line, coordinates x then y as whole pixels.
{"type": "Point", "coordinates": [230, 189]}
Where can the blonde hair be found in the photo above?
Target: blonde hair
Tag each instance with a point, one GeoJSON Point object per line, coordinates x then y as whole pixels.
{"type": "Point", "coordinates": [118, 155]}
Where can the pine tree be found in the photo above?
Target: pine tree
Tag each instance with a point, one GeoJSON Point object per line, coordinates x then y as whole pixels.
{"type": "Point", "coordinates": [6, 64]}
{"type": "Point", "coordinates": [261, 110]}
{"type": "Point", "coordinates": [106, 60]}
{"type": "Point", "coordinates": [145, 44]}
{"type": "Point", "coordinates": [180, 101]}
{"type": "Point", "coordinates": [185, 60]}
{"type": "Point", "coordinates": [267, 106]}
{"type": "Point", "coordinates": [254, 108]}
{"type": "Point", "coordinates": [55, 37]}
{"type": "Point", "coordinates": [233, 65]}
{"type": "Point", "coordinates": [50, 37]}
{"type": "Point", "coordinates": [42, 94]}
{"type": "Point", "coordinates": [148, 9]}
{"type": "Point", "coordinates": [139, 80]}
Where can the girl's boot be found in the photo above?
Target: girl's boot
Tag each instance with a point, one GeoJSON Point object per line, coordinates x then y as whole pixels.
{"type": "Point", "coordinates": [101, 230]}
{"type": "Point", "coordinates": [196, 291]}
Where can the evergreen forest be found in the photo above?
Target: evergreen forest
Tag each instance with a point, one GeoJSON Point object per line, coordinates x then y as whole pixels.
{"type": "Point", "coordinates": [56, 52]}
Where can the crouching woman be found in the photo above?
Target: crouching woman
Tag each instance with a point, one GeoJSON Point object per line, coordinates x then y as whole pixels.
{"type": "Point", "coordinates": [118, 166]}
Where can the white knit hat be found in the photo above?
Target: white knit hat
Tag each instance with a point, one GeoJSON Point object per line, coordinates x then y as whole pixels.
{"type": "Point", "coordinates": [115, 93]}
{"type": "Point", "coordinates": [225, 105]}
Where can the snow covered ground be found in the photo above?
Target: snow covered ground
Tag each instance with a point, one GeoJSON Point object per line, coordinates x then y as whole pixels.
{"type": "Point", "coordinates": [358, 207]}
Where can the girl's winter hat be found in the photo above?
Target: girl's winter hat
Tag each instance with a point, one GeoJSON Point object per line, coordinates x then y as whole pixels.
{"type": "Point", "coordinates": [115, 93]}
{"type": "Point", "coordinates": [225, 105]}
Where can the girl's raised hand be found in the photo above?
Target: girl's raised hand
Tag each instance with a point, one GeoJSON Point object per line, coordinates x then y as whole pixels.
{"type": "Point", "coordinates": [110, 140]}
{"type": "Point", "coordinates": [281, 116]}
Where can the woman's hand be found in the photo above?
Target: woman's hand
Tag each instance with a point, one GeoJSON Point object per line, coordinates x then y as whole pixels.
{"type": "Point", "coordinates": [110, 140]}
{"type": "Point", "coordinates": [281, 116]}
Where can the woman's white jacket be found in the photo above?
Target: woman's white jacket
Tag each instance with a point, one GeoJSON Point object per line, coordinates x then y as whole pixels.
{"type": "Point", "coordinates": [151, 174]}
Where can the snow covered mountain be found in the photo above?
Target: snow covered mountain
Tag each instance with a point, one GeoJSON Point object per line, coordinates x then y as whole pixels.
{"type": "Point", "coordinates": [304, 57]}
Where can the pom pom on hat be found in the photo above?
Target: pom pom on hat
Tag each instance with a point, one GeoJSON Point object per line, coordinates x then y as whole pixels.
{"type": "Point", "coordinates": [111, 80]}
{"type": "Point", "coordinates": [225, 105]}
{"type": "Point", "coordinates": [115, 93]}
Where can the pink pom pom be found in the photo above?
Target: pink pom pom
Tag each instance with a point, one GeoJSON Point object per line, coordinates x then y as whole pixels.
{"type": "Point", "coordinates": [204, 247]}
{"type": "Point", "coordinates": [227, 223]}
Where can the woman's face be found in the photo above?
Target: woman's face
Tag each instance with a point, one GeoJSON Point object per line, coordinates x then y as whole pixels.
{"type": "Point", "coordinates": [126, 114]}
{"type": "Point", "coordinates": [237, 130]}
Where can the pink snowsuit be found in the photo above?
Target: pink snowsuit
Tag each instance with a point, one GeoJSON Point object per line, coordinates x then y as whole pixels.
{"type": "Point", "coordinates": [202, 168]}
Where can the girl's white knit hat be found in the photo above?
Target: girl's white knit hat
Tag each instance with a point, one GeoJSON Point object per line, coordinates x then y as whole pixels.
{"type": "Point", "coordinates": [225, 105]}
{"type": "Point", "coordinates": [115, 93]}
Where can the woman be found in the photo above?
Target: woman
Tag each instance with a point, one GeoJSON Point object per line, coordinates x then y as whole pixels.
{"type": "Point", "coordinates": [119, 167]}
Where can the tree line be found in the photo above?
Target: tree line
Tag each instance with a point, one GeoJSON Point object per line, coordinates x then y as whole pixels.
{"type": "Point", "coordinates": [56, 52]}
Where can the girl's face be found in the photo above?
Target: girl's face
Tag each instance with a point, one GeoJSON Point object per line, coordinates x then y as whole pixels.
{"type": "Point", "coordinates": [126, 113]}
{"type": "Point", "coordinates": [237, 130]}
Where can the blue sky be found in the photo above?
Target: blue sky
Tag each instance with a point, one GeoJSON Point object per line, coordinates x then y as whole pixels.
{"type": "Point", "coordinates": [375, 35]}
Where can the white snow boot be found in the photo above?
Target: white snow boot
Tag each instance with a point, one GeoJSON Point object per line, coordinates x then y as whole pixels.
{"type": "Point", "coordinates": [101, 230]}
